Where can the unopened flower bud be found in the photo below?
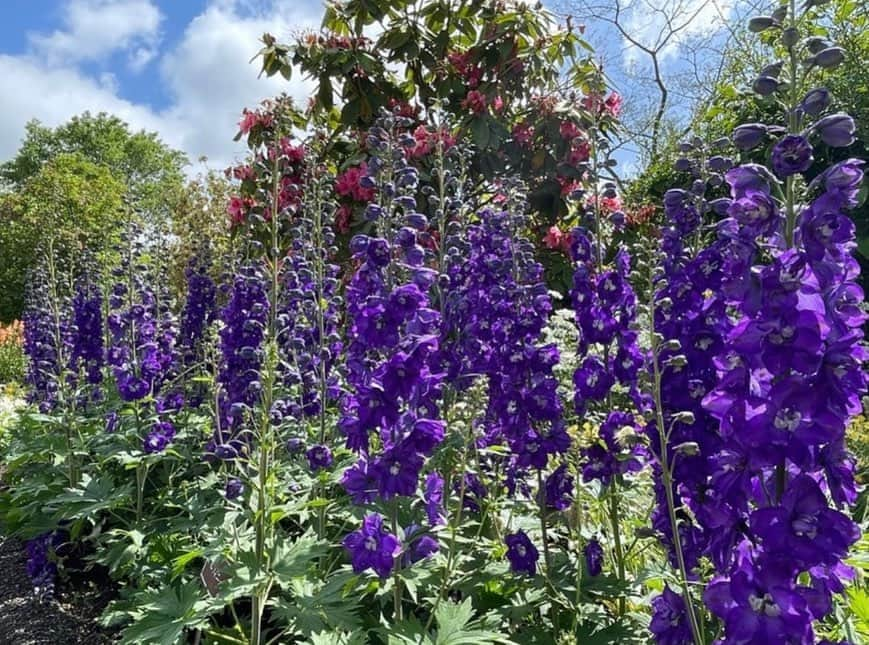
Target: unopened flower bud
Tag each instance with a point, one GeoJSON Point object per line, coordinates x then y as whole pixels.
{"type": "Point", "coordinates": [748, 135]}
{"type": "Point", "coordinates": [765, 85]}
{"type": "Point", "coordinates": [816, 44]}
{"type": "Point", "coordinates": [761, 23]}
{"type": "Point", "coordinates": [816, 101]}
{"type": "Point", "coordinates": [830, 57]}
{"type": "Point", "coordinates": [684, 417]}
{"type": "Point", "coordinates": [772, 70]}
{"type": "Point", "coordinates": [688, 449]}
{"type": "Point", "coordinates": [790, 36]}
{"type": "Point", "coordinates": [836, 130]}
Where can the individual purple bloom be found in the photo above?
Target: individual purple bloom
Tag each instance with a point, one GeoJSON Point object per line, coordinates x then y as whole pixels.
{"type": "Point", "coordinates": [804, 527]}
{"type": "Point", "coordinates": [372, 547]}
{"type": "Point", "coordinates": [418, 545]}
{"type": "Point", "coordinates": [559, 489]}
{"type": "Point", "coordinates": [112, 422]}
{"type": "Point", "coordinates": [397, 471]}
{"type": "Point", "coordinates": [234, 489]}
{"type": "Point", "coordinates": [161, 435]}
{"type": "Point", "coordinates": [593, 380]}
{"type": "Point", "coordinates": [593, 553]}
{"type": "Point", "coordinates": [295, 445]}
{"type": "Point", "coordinates": [361, 482]}
{"type": "Point", "coordinates": [41, 565]}
{"type": "Point", "coordinates": [433, 495]}
{"type": "Point", "coordinates": [319, 457]}
{"type": "Point", "coordinates": [521, 553]}
{"type": "Point", "coordinates": [669, 623]}
{"type": "Point", "coordinates": [756, 211]}
{"type": "Point", "coordinates": [842, 181]}
{"type": "Point", "coordinates": [762, 604]}
{"type": "Point", "coordinates": [791, 155]}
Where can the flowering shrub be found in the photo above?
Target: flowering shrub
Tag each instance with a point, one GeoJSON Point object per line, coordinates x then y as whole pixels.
{"type": "Point", "coordinates": [404, 435]}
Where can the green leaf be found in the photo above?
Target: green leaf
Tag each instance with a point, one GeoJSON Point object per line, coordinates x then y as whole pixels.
{"type": "Point", "coordinates": [480, 132]}
{"type": "Point", "coordinates": [452, 617]}
{"type": "Point", "coordinates": [292, 559]}
{"type": "Point", "coordinates": [168, 614]}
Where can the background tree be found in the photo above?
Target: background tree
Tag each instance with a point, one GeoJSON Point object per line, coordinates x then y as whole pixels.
{"type": "Point", "coordinates": [151, 170]}
{"type": "Point", "coordinates": [72, 204]}
{"type": "Point", "coordinates": [67, 185]}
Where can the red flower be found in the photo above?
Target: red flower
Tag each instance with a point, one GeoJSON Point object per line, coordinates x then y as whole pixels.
{"type": "Point", "coordinates": [553, 238]}
{"type": "Point", "coordinates": [569, 130]}
{"type": "Point", "coordinates": [523, 133]}
{"type": "Point", "coordinates": [475, 101]}
{"type": "Point", "coordinates": [342, 218]}
{"type": "Point", "coordinates": [613, 104]}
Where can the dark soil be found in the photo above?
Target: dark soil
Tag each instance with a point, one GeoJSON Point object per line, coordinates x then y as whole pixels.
{"type": "Point", "coordinates": [67, 619]}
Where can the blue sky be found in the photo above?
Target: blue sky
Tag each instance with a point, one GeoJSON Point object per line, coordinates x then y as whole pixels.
{"type": "Point", "coordinates": [180, 67]}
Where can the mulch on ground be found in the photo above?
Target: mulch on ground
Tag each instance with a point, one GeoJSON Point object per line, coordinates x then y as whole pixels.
{"type": "Point", "coordinates": [67, 619]}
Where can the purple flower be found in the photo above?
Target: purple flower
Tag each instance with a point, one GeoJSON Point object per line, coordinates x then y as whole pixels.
{"type": "Point", "coordinates": [161, 435]}
{"type": "Point", "coordinates": [804, 527]}
{"type": "Point", "coordinates": [434, 499]}
{"type": "Point", "coordinates": [559, 489]}
{"type": "Point", "coordinates": [397, 471]}
{"type": "Point", "coordinates": [669, 623]}
{"type": "Point", "coordinates": [41, 565]}
{"type": "Point", "coordinates": [791, 155]}
{"type": "Point", "coordinates": [418, 545]}
{"type": "Point", "coordinates": [593, 553]}
{"type": "Point", "coordinates": [319, 457]}
{"type": "Point", "coordinates": [234, 488]}
{"type": "Point", "coordinates": [593, 380]}
{"type": "Point", "coordinates": [521, 553]}
{"type": "Point", "coordinates": [816, 101]}
{"type": "Point", "coordinates": [760, 603]}
{"type": "Point", "coordinates": [372, 547]}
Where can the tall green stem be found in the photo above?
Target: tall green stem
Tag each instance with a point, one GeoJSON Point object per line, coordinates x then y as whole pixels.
{"type": "Point", "coordinates": [667, 477]}
{"type": "Point", "coordinates": [617, 544]}
{"type": "Point", "coordinates": [396, 578]}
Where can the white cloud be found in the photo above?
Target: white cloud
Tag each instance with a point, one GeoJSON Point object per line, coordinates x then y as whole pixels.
{"type": "Point", "coordinates": [29, 89]}
{"type": "Point", "coordinates": [207, 74]}
{"type": "Point", "coordinates": [95, 29]}
{"type": "Point", "coordinates": [211, 78]}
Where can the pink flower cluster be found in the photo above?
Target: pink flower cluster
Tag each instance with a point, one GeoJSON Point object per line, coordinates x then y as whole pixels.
{"type": "Point", "coordinates": [472, 74]}
{"type": "Point", "coordinates": [238, 208]}
{"type": "Point", "coordinates": [252, 118]}
{"type": "Point", "coordinates": [557, 240]}
{"type": "Point", "coordinates": [523, 134]}
{"type": "Point", "coordinates": [427, 140]}
{"type": "Point", "coordinates": [347, 184]}
{"type": "Point", "coordinates": [612, 104]}
{"type": "Point", "coordinates": [476, 102]}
